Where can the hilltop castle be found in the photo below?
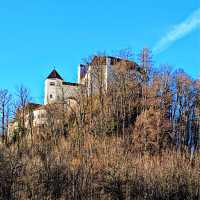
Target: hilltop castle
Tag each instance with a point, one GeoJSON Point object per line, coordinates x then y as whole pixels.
{"type": "Point", "coordinates": [56, 89]}
{"type": "Point", "coordinates": [101, 68]}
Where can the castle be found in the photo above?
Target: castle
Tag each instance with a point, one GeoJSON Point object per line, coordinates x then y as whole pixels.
{"type": "Point", "coordinates": [101, 68]}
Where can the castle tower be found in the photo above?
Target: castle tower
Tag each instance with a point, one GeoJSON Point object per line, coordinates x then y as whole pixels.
{"type": "Point", "coordinates": [82, 71]}
{"type": "Point", "coordinates": [53, 87]}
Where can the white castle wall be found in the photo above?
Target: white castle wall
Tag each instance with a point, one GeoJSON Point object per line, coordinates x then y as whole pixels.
{"type": "Point", "coordinates": [39, 117]}
{"type": "Point", "coordinates": [57, 90]}
{"type": "Point", "coordinates": [91, 80]}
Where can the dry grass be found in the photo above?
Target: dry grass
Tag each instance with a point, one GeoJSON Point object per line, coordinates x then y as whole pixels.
{"type": "Point", "coordinates": [94, 168]}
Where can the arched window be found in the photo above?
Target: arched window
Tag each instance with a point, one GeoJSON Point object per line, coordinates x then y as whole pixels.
{"type": "Point", "coordinates": [51, 96]}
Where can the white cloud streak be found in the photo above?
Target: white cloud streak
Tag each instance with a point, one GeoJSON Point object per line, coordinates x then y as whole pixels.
{"type": "Point", "coordinates": [178, 32]}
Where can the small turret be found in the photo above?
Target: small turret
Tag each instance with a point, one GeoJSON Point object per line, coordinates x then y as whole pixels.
{"type": "Point", "coordinates": [53, 86]}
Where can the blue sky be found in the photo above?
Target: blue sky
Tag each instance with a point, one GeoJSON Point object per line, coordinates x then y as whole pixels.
{"type": "Point", "coordinates": [37, 35]}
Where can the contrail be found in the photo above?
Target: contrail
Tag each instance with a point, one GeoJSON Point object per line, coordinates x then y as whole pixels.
{"type": "Point", "coordinates": [178, 31]}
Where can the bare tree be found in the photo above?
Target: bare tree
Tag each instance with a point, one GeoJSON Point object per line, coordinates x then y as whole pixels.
{"type": "Point", "coordinates": [5, 100]}
{"type": "Point", "coordinates": [126, 53]}
{"type": "Point", "coordinates": [21, 109]}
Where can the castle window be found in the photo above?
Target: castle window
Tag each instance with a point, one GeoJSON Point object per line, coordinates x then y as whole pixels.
{"type": "Point", "coordinates": [52, 83]}
{"type": "Point", "coordinates": [51, 96]}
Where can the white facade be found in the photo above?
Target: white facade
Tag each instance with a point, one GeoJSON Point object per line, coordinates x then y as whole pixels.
{"type": "Point", "coordinates": [39, 117]}
{"type": "Point", "coordinates": [102, 73]}
{"type": "Point", "coordinates": [56, 90]}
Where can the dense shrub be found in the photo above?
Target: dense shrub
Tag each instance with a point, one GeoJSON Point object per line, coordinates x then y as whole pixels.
{"type": "Point", "coordinates": [104, 168]}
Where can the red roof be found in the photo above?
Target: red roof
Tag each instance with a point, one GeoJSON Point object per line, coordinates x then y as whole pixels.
{"type": "Point", "coordinates": [54, 74]}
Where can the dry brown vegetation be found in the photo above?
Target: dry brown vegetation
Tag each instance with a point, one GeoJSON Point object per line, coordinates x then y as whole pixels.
{"type": "Point", "coordinates": [95, 168]}
{"type": "Point", "coordinates": [137, 140]}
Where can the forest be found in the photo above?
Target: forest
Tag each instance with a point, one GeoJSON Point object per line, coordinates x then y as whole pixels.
{"type": "Point", "coordinates": [139, 139]}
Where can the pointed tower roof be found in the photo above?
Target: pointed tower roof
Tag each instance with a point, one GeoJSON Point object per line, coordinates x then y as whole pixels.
{"type": "Point", "coordinates": [54, 74]}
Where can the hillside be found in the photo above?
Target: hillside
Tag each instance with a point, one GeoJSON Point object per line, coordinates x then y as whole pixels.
{"type": "Point", "coordinates": [139, 139]}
